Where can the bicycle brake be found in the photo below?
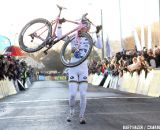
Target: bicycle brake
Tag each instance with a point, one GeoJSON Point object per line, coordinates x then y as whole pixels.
{"type": "Point", "coordinates": [32, 37]}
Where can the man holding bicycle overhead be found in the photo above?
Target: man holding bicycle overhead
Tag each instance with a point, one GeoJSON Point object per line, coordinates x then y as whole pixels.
{"type": "Point", "coordinates": [78, 76]}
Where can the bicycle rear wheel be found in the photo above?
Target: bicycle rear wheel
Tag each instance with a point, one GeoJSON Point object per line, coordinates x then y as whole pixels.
{"type": "Point", "coordinates": [34, 35]}
{"type": "Point", "coordinates": [72, 58]}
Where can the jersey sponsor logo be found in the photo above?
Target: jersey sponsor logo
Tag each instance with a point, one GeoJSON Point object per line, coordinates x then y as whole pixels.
{"type": "Point", "coordinates": [84, 77]}
{"type": "Point", "coordinates": [72, 77]}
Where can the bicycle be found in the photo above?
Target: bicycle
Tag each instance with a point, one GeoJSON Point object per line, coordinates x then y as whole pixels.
{"type": "Point", "coordinates": [44, 36]}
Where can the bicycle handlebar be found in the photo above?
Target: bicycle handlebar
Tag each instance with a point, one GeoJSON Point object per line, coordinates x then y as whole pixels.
{"type": "Point", "coordinates": [92, 23]}
{"type": "Point", "coordinates": [85, 18]}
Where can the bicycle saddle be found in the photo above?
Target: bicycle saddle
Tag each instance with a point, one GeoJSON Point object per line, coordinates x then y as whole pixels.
{"type": "Point", "coordinates": [60, 7]}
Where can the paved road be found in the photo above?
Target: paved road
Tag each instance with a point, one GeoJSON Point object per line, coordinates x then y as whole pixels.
{"type": "Point", "coordinates": [44, 106]}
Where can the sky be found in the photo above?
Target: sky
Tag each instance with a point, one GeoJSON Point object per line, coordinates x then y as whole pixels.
{"type": "Point", "coordinates": [16, 13]}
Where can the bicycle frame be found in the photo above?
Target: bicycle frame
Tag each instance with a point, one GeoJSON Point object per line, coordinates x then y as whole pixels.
{"type": "Point", "coordinates": [56, 22]}
{"type": "Point", "coordinates": [76, 29]}
{"type": "Point", "coordinates": [53, 39]}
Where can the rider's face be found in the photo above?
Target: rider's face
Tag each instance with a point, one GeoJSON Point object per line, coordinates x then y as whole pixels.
{"type": "Point", "coordinates": [85, 29]}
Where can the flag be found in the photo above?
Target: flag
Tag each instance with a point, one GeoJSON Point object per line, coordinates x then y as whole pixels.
{"type": "Point", "coordinates": [108, 48]}
{"type": "Point", "coordinates": [149, 37]}
{"type": "Point", "coordinates": [137, 41]}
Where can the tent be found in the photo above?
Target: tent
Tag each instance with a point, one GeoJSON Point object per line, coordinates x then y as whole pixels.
{"type": "Point", "coordinates": [13, 51]}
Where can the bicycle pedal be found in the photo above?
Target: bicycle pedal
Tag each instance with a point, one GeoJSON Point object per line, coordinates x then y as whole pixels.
{"type": "Point", "coordinates": [49, 44]}
{"type": "Point", "coordinates": [45, 52]}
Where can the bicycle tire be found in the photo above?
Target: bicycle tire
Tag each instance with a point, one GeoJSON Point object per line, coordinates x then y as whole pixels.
{"type": "Point", "coordinates": [62, 57]}
{"type": "Point", "coordinates": [21, 35]}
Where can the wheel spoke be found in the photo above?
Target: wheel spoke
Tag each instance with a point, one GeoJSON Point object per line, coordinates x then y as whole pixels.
{"type": "Point", "coordinates": [34, 35]}
{"type": "Point", "coordinates": [74, 53]}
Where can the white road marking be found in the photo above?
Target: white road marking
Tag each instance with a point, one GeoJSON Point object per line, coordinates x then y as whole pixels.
{"type": "Point", "coordinates": [122, 113]}
{"type": "Point", "coordinates": [35, 107]}
{"type": "Point", "coordinates": [51, 116]}
{"type": "Point", "coordinates": [29, 117]}
{"type": "Point", "coordinates": [66, 99]}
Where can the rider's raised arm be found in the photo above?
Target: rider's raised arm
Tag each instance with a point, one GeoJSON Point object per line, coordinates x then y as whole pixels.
{"type": "Point", "coordinates": [59, 31]}
{"type": "Point", "coordinates": [97, 41]}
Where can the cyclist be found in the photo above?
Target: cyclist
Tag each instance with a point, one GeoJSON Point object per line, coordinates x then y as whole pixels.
{"type": "Point", "coordinates": [77, 76]}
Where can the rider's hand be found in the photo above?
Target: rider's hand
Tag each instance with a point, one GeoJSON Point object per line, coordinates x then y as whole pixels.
{"type": "Point", "coordinates": [98, 28]}
{"type": "Point", "coordinates": [62, 20]}
{"type": "Point", "coordinates": [73, 49]}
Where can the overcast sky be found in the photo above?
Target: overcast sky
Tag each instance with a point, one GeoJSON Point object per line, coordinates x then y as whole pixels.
{"type": "Point", "coordinates": [16, 13]}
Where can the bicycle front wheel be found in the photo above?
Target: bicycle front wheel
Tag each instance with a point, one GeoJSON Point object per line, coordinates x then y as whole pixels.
{"type": "Point", "coordinates": [34, 35]}
{"type": "Point", "coordinates": [76, 50]}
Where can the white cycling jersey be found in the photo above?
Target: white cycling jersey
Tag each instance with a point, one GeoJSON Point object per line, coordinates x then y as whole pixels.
{"type": "Point", "coordinates": [82, 45]}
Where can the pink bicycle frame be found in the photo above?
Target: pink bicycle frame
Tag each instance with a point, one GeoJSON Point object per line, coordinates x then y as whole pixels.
{"type": "Point", "coordinates": [55, 22]}
{"type": "Point", "coordinates": [77, 29]}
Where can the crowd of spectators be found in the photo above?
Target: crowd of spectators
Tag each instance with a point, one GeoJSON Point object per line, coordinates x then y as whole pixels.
{"type": "Point", "coordinates": [14, 69]}
{"type": "Point", "coordinates": [127, 61]}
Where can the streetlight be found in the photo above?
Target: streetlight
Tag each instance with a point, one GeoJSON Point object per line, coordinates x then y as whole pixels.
{"type": "Point", "coordinates": [122, 46]}
{"type": "Point", "coordinates": [102, 35]}
{"type": "Point", "coordinates": [101, 17]}
{"type": "Point", "coordinates": [159, 19]}
{"type": "Point", "coordinates": [159, 10]}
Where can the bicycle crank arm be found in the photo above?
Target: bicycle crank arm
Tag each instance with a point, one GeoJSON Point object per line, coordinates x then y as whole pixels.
{"type": "Point", "coordinates": [45, 52]}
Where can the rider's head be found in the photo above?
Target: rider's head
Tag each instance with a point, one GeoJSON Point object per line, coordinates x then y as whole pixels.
{"type": "Point", "coordinates": [87, 27]}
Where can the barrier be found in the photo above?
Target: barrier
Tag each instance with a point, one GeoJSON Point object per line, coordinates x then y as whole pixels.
{"type": "Point", "coordinates": [149, 85]}
{"type": "Point", "coordinates": [1, 89]}
{"type": "Point", "coordinates": [154, 84]}
{"type": "Point", "coordinates": [47, 77]}
{"type": "Point", "coordinates": [20, 85]}
{"type": "Point", "coordinates": [16, 85]}
{"type": "Point", "coordinates": [106, 83]}
{"type": "Point", "coordinates": [140, 84]}
{"type": "Point", "coordinates": [41, 77]}
{"type": "Point", "coordinates": [97, 79]}
{"type": "Point", "coordinates": [133, 83]}
{"type": "Point", "coordinates": [28, 83]}
{"type": "Point", "coordinates": [59, 77]}
{"type": "Point", "coordinates": [125, 81]}
{"type": "Point", "coordinates": [90, 78]}
{"type": "Point", "coordinates": [10, 87]}
{"type": "Point", "coordinates": [7, 88]}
